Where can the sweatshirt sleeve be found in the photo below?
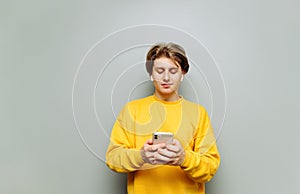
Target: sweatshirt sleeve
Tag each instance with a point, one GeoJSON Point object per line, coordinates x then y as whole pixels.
{"type": "Point", "coordinates": [121, 155]}
{"type": "Point", "coordinates": [202, 161]}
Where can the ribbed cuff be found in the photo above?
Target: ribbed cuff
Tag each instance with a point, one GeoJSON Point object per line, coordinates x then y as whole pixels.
{"type": "Point", "coordinates": [187, 159]}
{"type": "Point", "coordinates": [138, 160]}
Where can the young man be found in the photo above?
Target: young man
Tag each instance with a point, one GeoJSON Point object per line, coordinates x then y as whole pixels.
{"type": "Point", "coordinates": [190, 160]}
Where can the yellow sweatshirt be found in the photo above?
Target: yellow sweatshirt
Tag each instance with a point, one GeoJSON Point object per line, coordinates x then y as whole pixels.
{"type": "Point", "coordinates": [191, 126]}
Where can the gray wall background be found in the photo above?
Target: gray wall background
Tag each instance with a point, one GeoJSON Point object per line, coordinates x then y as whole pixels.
{"type": "Point", "coordinates": [42, 43]}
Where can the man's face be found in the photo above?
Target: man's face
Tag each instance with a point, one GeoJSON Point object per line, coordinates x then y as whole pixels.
{"type": "Point", "coordinates": [166, 77]}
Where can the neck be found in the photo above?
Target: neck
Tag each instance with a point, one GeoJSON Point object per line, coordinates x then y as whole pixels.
{"type": "Point", "coordinates": [167, 97]}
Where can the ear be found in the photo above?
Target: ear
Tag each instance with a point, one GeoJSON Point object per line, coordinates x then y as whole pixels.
{"type": "Point", "coordinates": [151, 78]}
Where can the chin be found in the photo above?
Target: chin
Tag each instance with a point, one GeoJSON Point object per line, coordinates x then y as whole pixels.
{"type": "Point", "coordinates": [167, 93]}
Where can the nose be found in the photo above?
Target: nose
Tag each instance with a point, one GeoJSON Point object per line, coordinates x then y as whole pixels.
{"type": "Point", "coordinates": [166, 76]}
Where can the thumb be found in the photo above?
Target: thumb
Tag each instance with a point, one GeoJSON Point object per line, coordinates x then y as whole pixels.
{"type": "Point", "coordinates": [149, 142]}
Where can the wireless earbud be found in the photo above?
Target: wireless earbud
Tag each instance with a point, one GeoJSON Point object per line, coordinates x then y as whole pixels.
{"type": "Point", "coordinates": [151, 78]}
{"type": "Point", "coordinates": [181, 78]}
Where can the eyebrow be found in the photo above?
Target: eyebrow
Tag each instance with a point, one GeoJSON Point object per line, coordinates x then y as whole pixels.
{"type": "Point", "coordinates": [167, 68]}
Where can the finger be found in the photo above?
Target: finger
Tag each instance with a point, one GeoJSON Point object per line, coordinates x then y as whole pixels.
{"type": "Point", "coordinates": [172, 148]}
{"type": "Point", "coordinates": [167, 153]}
{"type": "Point", "coordinates": [152, 160]}
{"type": "Point", "coordinates": [160, 162]}
{"type": "Point", "coordinates": [157, 146]}
{"type": "Point", "coordinates": [176, 143]}
{"type": "Point", "coordinates": [175, 147]}
{"type": "Point", "coordinates": [150, 148]}
{"type": "Point", "coordinates": [162, 159]}
{"type": "Point", "coordinates": [149, 155]}
{"type": "Point", "coordinates": [149, 142]}
{"type": "Point", "coordinates": [173, 163]}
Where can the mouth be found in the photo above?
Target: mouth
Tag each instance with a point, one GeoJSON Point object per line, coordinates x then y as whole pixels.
{"type": "Point", "coordinates": [166, 85]}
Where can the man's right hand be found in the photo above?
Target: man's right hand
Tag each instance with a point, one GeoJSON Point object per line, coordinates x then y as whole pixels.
{"type": "Point", "coordinates": [149, 151]}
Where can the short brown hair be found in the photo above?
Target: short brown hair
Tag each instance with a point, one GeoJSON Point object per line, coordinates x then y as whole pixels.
{"type": "Point", "coordinates": [170, 50]}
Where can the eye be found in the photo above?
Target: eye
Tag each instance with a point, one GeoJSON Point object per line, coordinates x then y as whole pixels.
{"type": "Point", "coordinates": [159, 70]}
{"type": "Point", "coordinates": [173, 70]}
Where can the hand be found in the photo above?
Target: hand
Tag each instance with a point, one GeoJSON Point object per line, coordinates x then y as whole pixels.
{"type": "Point", "coordinates": [149, 151]}
{"type": "Point", "coordinates": [172, 154]}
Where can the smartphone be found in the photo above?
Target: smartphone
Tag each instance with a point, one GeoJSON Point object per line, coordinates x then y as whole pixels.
{"type": "Point", "coordinates": [162, 137]}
